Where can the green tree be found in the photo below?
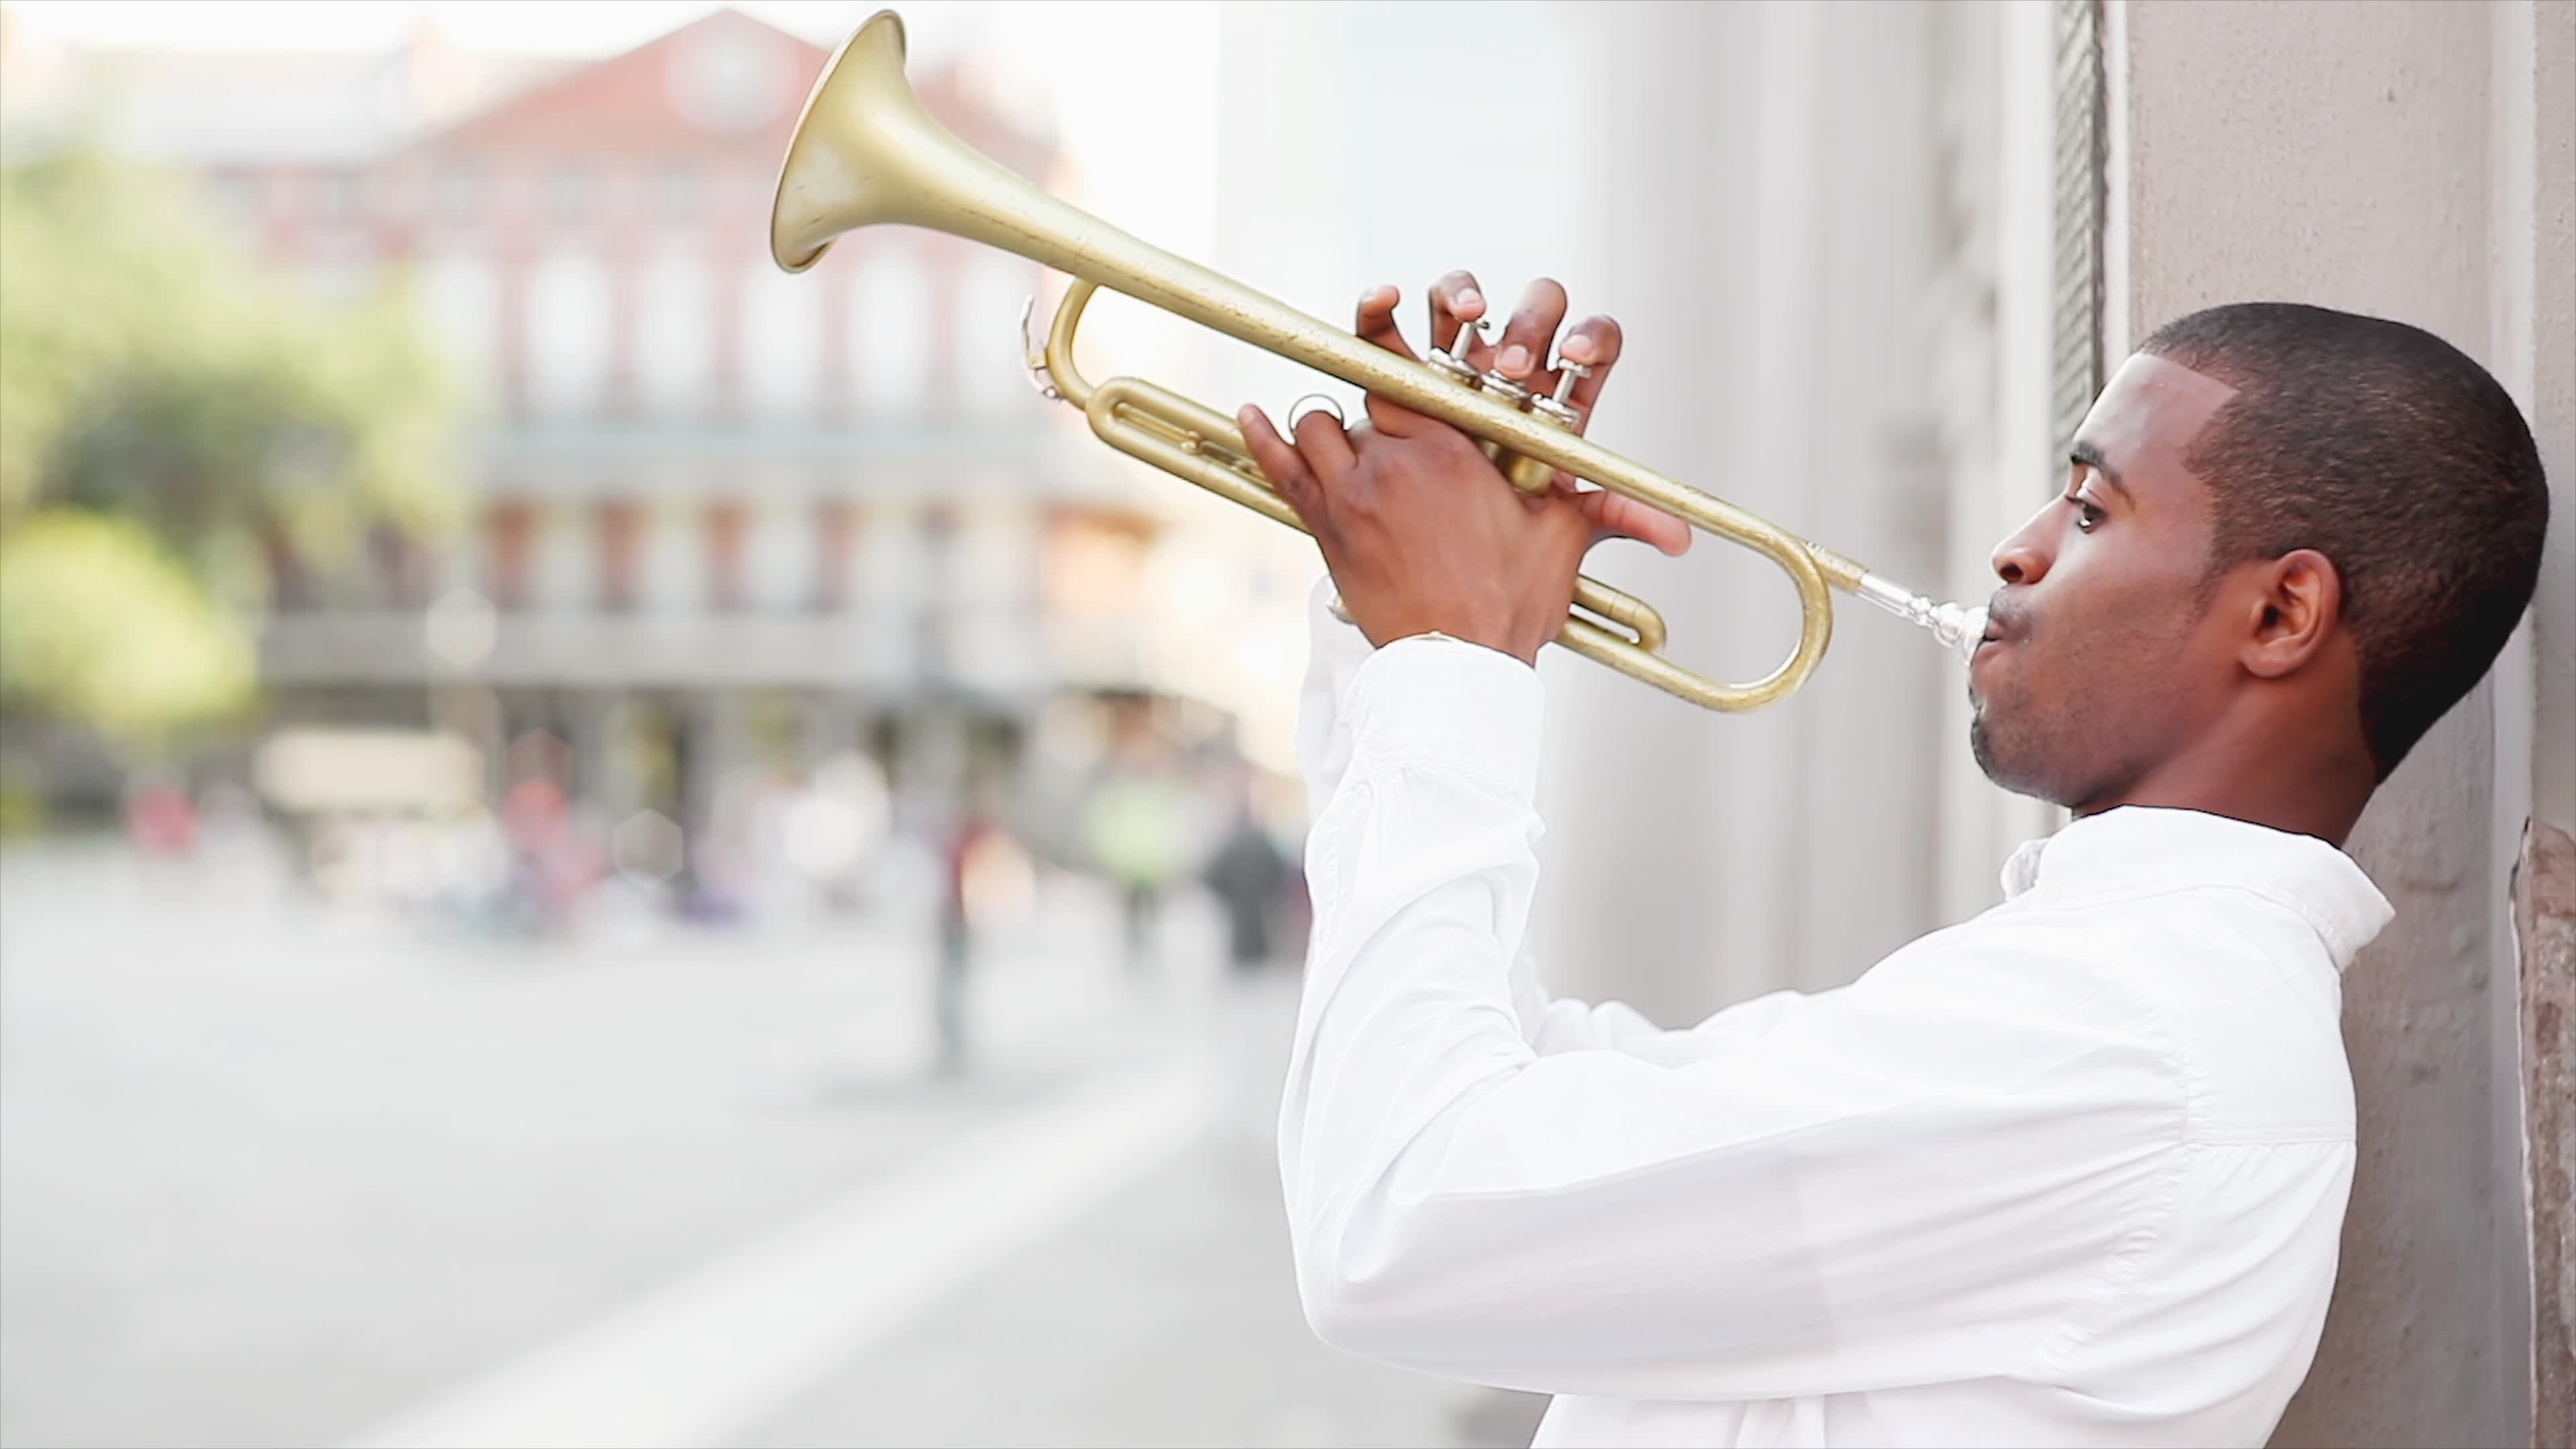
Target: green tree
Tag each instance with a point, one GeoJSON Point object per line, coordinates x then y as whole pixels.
{"type": "Point", "coordinates": [174, 420]}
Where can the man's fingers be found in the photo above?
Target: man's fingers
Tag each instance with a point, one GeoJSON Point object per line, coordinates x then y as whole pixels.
{"type": "Point", "coordinates": [1456, 300]}
{"type": "Point", "coordinates": [1395, 419]}
{"type": "Point", "coordinates": [1522, 354]}
{"type": "Point", "coordinates": [1617, 515]}
{"type": "Point", "coordinates": [1281, 464]}
{"type": "Point", "coordinates": [1324, 446]}
{"type": "Point", "coordinates": [1593, 342]}
{"type": "Point", "coordinates": [1377, 324]}
{"type": "Point", "coordinates": [1376, 321]}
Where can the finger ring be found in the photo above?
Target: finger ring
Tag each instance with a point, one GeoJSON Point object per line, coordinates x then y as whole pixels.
{"type": "Point", "coordinates": [1322, 403]}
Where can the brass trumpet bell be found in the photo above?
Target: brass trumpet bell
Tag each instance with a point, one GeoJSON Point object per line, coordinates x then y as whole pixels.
{"type": "Point", "coordinates": [866, 153]}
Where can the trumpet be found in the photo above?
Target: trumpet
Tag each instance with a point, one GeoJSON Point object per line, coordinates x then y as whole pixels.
{"type": "Point", "coordinates": [865, 153]}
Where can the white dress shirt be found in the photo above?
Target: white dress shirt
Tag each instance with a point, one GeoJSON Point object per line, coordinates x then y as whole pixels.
{"type": "Point", "coordinates": [2069, 1173]}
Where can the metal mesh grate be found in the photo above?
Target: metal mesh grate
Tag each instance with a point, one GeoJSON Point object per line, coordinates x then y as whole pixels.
{"type": "Point", "coordinates": [2076, 363]}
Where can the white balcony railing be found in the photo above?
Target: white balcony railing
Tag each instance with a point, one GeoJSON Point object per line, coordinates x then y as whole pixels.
{"type": "Point", "coordinates": [1018, 653]}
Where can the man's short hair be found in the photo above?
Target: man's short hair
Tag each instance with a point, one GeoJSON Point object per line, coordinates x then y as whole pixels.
{"type": "Point", "coordinates": [2387, 450]}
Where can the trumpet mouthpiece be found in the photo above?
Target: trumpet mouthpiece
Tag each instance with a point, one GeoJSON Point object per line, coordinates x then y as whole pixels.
{"type": "Point", "coordinates": [1959, 628]}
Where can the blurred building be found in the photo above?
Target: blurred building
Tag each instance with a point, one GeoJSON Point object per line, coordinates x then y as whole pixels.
{"type": "Point", "coordinates": [725, 520]}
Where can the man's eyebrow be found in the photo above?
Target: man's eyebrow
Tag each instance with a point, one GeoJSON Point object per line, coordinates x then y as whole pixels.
{"type": "Point", "coordinates": [2085, 455]}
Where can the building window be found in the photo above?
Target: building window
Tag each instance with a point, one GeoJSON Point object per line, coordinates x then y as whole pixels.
{"type": "Point", "coordinates": [569, 193]}
{"type": "Point", "coordinates": [724, 525]}
{"type": "Point", "coordinates": [675, 194]}
{"type": "Point", "coordinates": [890, 338]}
{"type": "Point", "coordinates": [674, 333]}
{"type": "Point", "coordinates": [1094, 566]}
{"type": "Point", "coordinates": [835, 525]}
{"type": "Point", "coordinates": [782, 342]}
{"type": "Point", "coordinates": [566, 340]}
{"type": "Point", "coordinates": [337, 264]}
{"type": "Point", "coordinates": [232, 196]}
{"type": "Point", "coordinates": [460, 306]}
{"type": "Point", "coordinates": [507, 535]}
{"type": "Point", "coordinates": [457, 193]}
{"type": "Point", "coordinates": [991, 378]}
{"type": "Point", "coordinates": [565, 558]}
{"type": "Point", "coordinates": [675, 560]}
{"type": "Point", "coordinates": [890, 568]}
{"type": "Point", "coordinates": [779, 558]}
{"type": "Point", "coordinates": [729, 83]}
{"type": "Point", "coordinates": [394, 568]}
{"type": "Point", "coordinates": [621, 550]}
{"type": "Point", "coordinates": [333, 195]}
{"type": "Point", "coordinates": [993, 559]}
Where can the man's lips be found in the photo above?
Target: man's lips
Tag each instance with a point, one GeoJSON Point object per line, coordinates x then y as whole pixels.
{"type": "Point", "coordinates": [2003, 626]}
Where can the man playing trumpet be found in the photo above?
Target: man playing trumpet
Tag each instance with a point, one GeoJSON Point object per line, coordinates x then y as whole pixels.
{"type": "Point", "coordinates": [2070, 1172]}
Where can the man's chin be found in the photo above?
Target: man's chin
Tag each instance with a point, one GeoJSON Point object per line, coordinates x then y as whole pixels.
{"type": "Point", "coordinates": [1981, 745]}
{"type": "Point", "coordinates": [2007, 767]}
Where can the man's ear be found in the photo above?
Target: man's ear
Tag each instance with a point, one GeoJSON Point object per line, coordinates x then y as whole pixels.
{"type": "Point", "coordinates": [2297, 605]}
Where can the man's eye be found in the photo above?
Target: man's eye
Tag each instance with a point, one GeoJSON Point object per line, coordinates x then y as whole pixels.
{"type": "Point", "coordinates": [2087, 515]}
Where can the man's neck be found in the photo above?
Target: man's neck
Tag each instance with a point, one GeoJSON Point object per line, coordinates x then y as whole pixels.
{"type": "Point", "coordinates": [2311, 781]}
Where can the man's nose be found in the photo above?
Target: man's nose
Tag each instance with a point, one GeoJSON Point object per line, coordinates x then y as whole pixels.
{"type": "Point", "coordinates": [2020, 559]}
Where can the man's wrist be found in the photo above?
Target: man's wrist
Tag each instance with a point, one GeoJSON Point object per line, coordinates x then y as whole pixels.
{"type": "Point", "coordinates": [1424, 698]}
{"type": "Point", "coordinates": [1472, 640]}
{"type": "Point", "coordinates": [1456, 632]}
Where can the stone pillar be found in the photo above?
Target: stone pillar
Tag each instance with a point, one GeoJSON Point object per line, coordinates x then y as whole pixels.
{"type": "Point", "coordinates": [827, 724]}
{"type": "Point", "coordinates": [2541, 82]}
{"type": "Point", "coordinates": [595, 723]}
{"type": "Point", "coordinates": [2408, 160]}
{"type": "Point", "coordinates": [2545, 925]}
{"type": "Point", "coordinates": [931, 767]}
{"type": "Point", "coordinates": [706, 731]}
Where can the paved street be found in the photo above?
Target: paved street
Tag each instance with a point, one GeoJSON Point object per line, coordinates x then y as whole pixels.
{"type": "Point", "coordinates": [272, 1173]}
{"type": "Point", "coordinates": [1166, 1318]}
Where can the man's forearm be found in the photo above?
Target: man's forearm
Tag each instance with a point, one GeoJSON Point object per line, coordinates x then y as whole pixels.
{"type": "Point", "coordinates": [1422, 871]}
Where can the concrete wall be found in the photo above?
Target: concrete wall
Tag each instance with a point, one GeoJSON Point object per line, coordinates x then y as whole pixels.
{"type": "Point", "coordinates": [1795, 212]}
{"type": "Point", "coordinates": [2408, 160]}
{"type": "Point", "coordinates": [1829, 228]}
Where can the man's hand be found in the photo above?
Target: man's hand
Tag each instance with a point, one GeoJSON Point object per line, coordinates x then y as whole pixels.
{"type": "Point", "coordinates": [1421, 533]}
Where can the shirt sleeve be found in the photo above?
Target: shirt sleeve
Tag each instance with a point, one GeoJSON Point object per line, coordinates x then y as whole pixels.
{"type": "Point", "coordinates": [1886, 1184]}
{"type": "Point", "coordinates": [1548, 1023]}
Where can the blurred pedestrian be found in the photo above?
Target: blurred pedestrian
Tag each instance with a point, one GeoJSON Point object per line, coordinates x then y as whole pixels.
{"type": "Point", "coordinates": [1250, 876]}
{"type": "Point", "coordinates": [1137, 827]}
{"type": "Point", "coordinates": [987, 885]}
{"type": "Point", "coordinates": [956, 945]}
{"type": "Point", "coordinates": [160, 818]}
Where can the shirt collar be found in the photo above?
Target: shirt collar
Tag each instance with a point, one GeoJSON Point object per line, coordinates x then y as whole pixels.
{"type": "Point", "coordinates": [2141, 848]}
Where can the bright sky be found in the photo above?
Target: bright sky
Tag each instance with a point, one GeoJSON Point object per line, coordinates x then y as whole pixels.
{"type": "Point", "coordinates": [1103, 72]}
{"type": "Point", "coordinates": [547, 27]}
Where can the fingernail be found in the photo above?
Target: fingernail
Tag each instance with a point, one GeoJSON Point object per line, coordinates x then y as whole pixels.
{"type": "Point", "coordinates": [1471, 298]}
{"type": "Point", "coordinates": [1515, 359]}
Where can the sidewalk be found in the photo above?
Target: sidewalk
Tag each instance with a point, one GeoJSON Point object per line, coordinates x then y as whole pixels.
{"type": "Point", "coordinates": [274, 1175]}
{"type": "Point", "coordinates": [1168, 1316]}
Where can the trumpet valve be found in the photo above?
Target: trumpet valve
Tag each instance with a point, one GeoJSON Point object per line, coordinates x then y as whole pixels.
{"type": "Point", "coordinates": [1524, 475]}
{"type": "Point", "coordinates": [1560, 409]}
{"type": "Point", "coordinates": [1529, 475]}
{"type": "Point", "coordinates": [1452, 360]}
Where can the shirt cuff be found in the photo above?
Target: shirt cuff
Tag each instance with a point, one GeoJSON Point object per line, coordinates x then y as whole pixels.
{"type": "Point", "coordinates": [1448, 704]}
